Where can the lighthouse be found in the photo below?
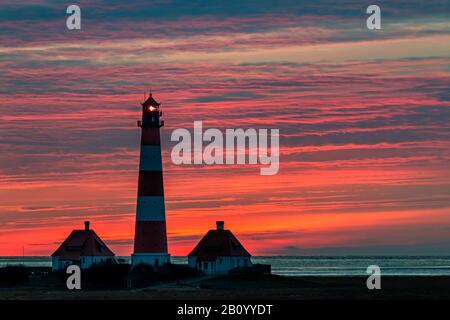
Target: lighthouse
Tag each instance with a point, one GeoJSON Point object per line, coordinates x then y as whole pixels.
{"type": "Point", "coordinates": [150, 239]}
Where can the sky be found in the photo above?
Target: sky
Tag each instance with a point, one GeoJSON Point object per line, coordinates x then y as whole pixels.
{"type": "Point", "coordinates": [363, 117]}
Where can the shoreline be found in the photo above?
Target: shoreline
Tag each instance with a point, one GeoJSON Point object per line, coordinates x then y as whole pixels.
{"type": "Point", "coordinates": [294, 266]}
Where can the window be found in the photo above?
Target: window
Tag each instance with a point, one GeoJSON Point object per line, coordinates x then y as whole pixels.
{"type": "Point", "coordinates": [220, 260]}
{"type": "Point", "coordinates": [205, 265]}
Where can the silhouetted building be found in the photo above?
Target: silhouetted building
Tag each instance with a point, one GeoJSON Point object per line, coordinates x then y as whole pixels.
{"type": "Point", "coordinates": [83, 248]}
{"type": "Point", "coordinates": [218, 252]}
{"type": "Point", "coordinates": [150, 238]}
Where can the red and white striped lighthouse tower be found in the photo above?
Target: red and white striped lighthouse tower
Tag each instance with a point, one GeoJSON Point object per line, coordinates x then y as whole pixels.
{"type": "Point", "coordinates": [150, 239]}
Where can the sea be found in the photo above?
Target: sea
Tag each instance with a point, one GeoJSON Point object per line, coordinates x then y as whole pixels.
{"type": "Point", "coordinates": [309, 265]}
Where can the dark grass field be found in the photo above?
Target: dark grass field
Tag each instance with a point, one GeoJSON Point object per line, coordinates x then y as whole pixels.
{"type": "Point", "coordinates": [43, 285]}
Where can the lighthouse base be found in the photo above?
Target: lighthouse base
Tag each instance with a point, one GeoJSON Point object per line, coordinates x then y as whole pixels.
{"type": "Point", "coordinates": [152, 259]}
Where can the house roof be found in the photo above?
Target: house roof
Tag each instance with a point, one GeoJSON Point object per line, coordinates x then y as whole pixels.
{"type": "Point", "coordinates": [218, 243]}
{"type": "Point", "coordinates": [82, 243]}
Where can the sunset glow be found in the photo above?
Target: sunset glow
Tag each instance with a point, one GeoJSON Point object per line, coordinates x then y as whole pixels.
{"type": "Point", "coordinates": [364, 121]}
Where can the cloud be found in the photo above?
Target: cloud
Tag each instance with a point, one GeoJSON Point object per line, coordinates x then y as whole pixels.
{"type": "Point", "coordinates": [363, 119]}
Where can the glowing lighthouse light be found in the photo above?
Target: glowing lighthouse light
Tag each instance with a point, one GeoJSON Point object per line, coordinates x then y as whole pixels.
{"type": "Point", "coordinates": [151, 108]}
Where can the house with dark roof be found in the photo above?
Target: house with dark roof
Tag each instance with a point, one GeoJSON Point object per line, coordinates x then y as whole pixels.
{"type": "Point", "coordinates": [218, 252]}
{"type": "Point", "coordinates": [83, 248]}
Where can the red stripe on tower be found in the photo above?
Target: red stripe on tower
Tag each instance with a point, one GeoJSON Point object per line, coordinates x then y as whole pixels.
{"type": "Point", "coordinates": [150, 239]}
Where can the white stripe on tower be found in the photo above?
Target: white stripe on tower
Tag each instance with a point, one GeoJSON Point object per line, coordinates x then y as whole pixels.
{"type": "Point", "coordinates": [150, 208]}
{"type": "Point", "coordinates": [150, 158]}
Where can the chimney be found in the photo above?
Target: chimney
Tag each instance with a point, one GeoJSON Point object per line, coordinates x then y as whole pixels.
{"type": "Point", "coordinates": [219, 225]}
{"type": "Point", "coordinates": [86, 225]}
